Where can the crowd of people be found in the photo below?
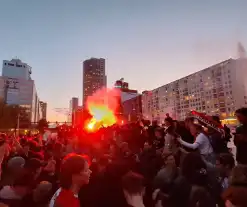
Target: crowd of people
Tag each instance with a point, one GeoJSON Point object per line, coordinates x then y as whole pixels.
{"type": "Point", "coordinates": [178, 164]}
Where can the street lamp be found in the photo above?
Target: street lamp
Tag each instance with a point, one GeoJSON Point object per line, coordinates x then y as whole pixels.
{"type": "Point", "coordinates": [18, 124]}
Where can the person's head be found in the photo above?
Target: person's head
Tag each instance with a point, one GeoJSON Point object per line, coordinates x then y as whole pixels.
{"type": "Point", "coordinates": [241, 115]}
{"type": "Point", "coordinates": [133, 184]}
{"type": "Point", "coordinates": [188, 122]}
{"type": "Point", "coordinates": [103, 162]}
{"type": "Point", "coordinates": [3, 139]}
{"type": "Point", "coordinates": [26, 146]}
{"type": "Point", "coordinates": [154, 123]}
{"type": "Point", "coordinates": [235, 196]}
{"type": "Point", "coordinates": [181, 124]}
{"type": "Point", "coordinates": [159, 132]}
{"type": "Point", "coordinates": [37, 155]}
{"type": "Point", "coordinates": [168, 121]}
{"type": "Point", "coordinates": [175, 124]}
{"type": "Point", "coordinates": [147, 146]}
{"type": "Point", "coordinates": [228, 203]}
{"type": "Point", "coordinates": [48, 156]}
{"type": "Point", "coordinates": [196, 129]}
{"type": "Point", "coordinates": [74, 171]}
{"type": "Point", "coordinates": [147, 123]}
{"type": "Point", "coordinates": [216, 119]}
{"type": "Point", "coordinates": [50, 166]}
{"type": "Point", "coordinates": [22, 183]}
{"type": "Point", "coordinates": [125, 148]}
{"type": "Point", "coordinates": [34, 166]}
{"type": "Point", "coordinates": [15, 165]}
{"type": "Point", "coordinates": [34, 146]}
{"type": "Point", "coordinates": [42, 191]}
{"type": "Point", "coordinates": [238, 175]}
{"type": "Point", "coordinates": [194, 169]}
{"type": "Point", "coordinates": [225, 163]}
{"type": "Point", "coordinates": [169, 159]}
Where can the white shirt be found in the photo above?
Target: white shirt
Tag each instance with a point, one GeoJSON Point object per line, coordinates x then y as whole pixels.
{"type": "Point", "coordinates": [54, 197]}
{"type": "Point", "coordinates": [201, 143]}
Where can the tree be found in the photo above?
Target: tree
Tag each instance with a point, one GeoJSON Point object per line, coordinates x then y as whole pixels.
{"type": "Point", "coordinates": [42, 124]}
{"type": "Point", "coordinates": [9, 116]}
{"type": "Point", "coordinates": [24, 118]}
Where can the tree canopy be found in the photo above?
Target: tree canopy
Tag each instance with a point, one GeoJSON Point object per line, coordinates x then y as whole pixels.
{"type": "Point", "coordinates": [42, 124]}
{"type": "Point", "coordinates": [9, 116]}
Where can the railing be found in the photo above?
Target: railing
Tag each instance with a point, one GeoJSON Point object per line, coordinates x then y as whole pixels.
{"type": "Point", "coordinates": [54, 122]}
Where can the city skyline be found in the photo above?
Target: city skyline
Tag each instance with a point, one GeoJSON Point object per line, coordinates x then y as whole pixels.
{"type": "Point", "coordinates": [141, 41]}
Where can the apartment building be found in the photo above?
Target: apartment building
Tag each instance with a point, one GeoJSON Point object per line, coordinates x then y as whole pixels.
{"type": "Point", "coordinates": [216, 90]}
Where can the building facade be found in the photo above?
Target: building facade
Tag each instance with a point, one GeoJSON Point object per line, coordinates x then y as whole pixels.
{"type": "Point", "coordinates": [132, 108]}
{"type": "Point", "coordinates": [17, 87]}
{"type": "Point", "coordinates": [43, 110]}
{"type": "Point", "coordinates": [15, 68]}
{"type": "Point", "coordinates": [79, 117]}
{"type": "Point", "coordinates": [73, 106]}
{"type": "Point", "coordinates": [216, 90]}
{"type": "Point", "coordinates": [94, 77]}
{"type": "Point", "coordinates": [125, 92]}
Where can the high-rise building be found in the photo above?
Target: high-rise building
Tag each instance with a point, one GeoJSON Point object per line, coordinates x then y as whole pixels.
{"type": "Point", "coordinates": [15, 68]}
{"type": "Point", "coordinates": [43, 110]}
{"type": "Point", "coordinates": [216, 90]}
{"type": "Point", "coordinates": [17, 87]}
{"type": "Point", "coordinates": [94, 77]}
{"type": "Point", "coordinates": [73, 106]}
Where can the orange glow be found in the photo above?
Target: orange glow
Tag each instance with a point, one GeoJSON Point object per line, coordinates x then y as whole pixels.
{"type": "Point", "coordinates": [91, 124]}
{"type": "Point", "coordinates": [102, 106]}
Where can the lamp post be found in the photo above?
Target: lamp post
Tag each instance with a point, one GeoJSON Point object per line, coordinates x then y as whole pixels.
{"type": "Point", "coordinates": [18, 124]}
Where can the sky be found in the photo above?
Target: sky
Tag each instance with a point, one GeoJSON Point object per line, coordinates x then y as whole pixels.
{"type": "Point", "coordinates": [149, 43]}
